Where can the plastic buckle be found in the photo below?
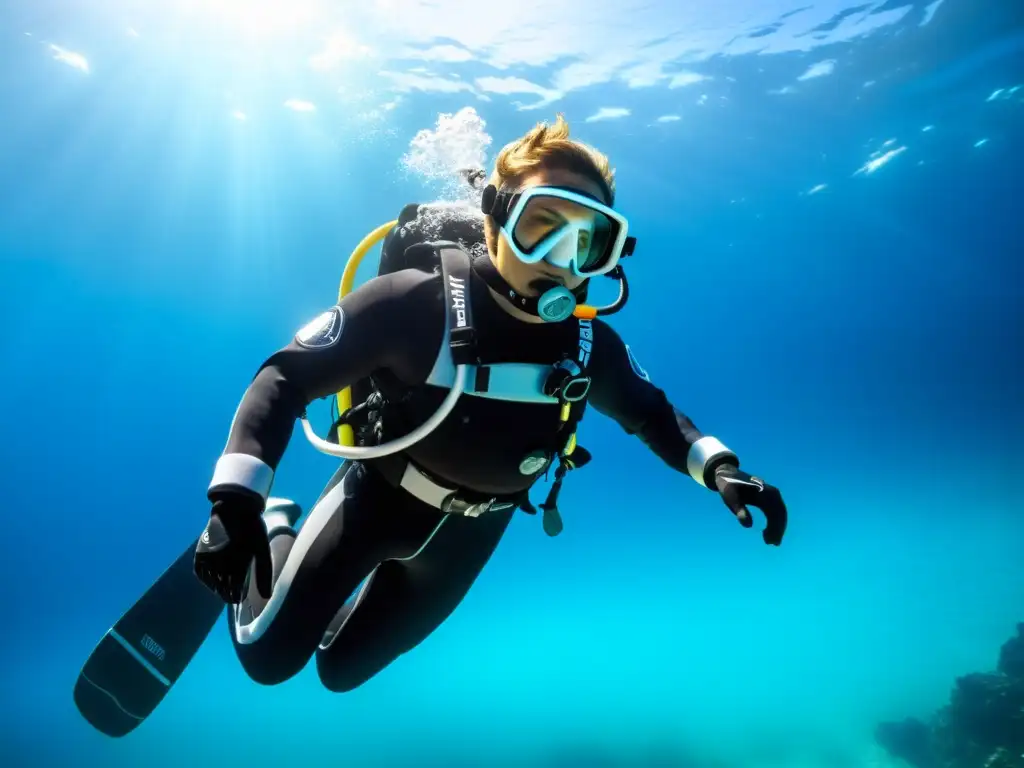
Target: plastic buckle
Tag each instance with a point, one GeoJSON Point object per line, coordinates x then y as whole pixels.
{"type": "Point", "coordinates": [463, 345]}
{"type": "Point", "coordinates": [475, 510]}
{"type": "Point", "coordinates": [575, 389]}
{"type": "Point", "coordinates": [456, 505]}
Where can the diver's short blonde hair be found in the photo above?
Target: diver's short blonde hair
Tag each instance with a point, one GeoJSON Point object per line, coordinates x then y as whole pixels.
{"type": "Point", "coordinates": [543, 147]}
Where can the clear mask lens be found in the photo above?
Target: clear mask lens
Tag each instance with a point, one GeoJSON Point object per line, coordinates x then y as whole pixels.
{"type": "Point", "coordinates": [564, 231]}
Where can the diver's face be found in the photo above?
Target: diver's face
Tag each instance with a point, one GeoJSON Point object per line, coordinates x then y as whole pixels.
{"type": "Point", "coordinates": [533, 279]}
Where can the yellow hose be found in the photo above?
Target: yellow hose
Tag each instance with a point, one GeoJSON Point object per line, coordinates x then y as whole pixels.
{"type": "Point", "coordinates": [345, 434]}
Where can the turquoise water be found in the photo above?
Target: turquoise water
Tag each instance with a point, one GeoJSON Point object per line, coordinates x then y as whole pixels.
{"type": "Point", "coordinates": [828, 278]}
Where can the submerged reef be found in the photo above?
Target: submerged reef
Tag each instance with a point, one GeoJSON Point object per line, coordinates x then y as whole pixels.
{"type": "Point", "coordinates": [982, 726]}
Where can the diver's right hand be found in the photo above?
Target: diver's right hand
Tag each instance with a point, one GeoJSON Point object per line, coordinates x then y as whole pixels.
{"type": "Point", "coordinates": [235, 537]}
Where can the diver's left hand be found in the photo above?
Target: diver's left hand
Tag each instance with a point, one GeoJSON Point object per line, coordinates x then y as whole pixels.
{"type": "Point", "coordinates": [739, 489]}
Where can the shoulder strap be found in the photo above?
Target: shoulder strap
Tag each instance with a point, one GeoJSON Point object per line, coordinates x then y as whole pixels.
{"type": "Point", "coordinates": [519, 382]}
{"type": "Point", "coordinates": [455, 267]}
{"type": "Point", "coordinates": [573, 413]}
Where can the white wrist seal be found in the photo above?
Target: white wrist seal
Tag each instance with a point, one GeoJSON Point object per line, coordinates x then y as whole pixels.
{"type": "Point", "coordinates": [243, 471]}
{"type": "Point", "coordinates": [706, 454]}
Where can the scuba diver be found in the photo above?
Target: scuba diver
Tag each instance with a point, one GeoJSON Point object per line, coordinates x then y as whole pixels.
{"type": "Point", "coordinates": [460, 373]}
{"type": "Point", "coordinates": [476, 370]}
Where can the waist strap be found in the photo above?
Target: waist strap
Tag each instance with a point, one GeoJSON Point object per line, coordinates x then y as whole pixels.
{"type": "Point", "coordinates": [454, 501]}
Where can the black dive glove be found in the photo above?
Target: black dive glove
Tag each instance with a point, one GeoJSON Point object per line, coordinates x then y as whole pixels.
{"type": "Point", "coordinates": [235, 537]}
{"type": "Point", "coordinates": [738, 489]}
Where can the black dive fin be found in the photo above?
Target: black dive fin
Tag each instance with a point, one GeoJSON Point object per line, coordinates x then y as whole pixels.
{"type": "Point", "coordinates": [137, 661]}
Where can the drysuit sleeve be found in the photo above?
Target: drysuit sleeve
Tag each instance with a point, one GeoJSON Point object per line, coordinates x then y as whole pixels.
{"type": "Point", "coordinates": [369, 330]}
{"type": "Point", "coordinates": [622, 390]}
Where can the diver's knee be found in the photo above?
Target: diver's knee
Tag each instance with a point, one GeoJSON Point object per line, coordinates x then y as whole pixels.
{"type": "Point", "coordinates": [267, 667]}
{"type": "Point", "coordinates": [341, 675]}
{"type": "Point", "coordinates": [266, 674]}
{"type": "Point", "coordinates": [341, 680]}
{"type": "Point", "coordinates": [268, 661]}
{"type": "Point", "coordinates": [341, 684]}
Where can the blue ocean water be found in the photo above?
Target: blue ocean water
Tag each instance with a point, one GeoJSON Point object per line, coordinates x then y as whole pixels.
{"type": "Point", "coordinates": [828, 278]}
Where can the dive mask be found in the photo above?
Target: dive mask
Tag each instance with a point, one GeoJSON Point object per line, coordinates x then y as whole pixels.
{"type": "Point", "coordinates": [564, 227]}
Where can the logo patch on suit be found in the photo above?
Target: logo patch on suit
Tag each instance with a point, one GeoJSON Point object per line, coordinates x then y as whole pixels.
{"type": "Point", "coordinates": [322, 332]}
{"type": "Point", "coordinates": [635, 365]}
